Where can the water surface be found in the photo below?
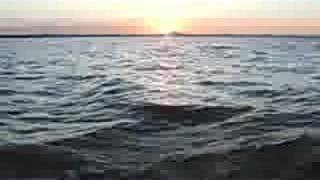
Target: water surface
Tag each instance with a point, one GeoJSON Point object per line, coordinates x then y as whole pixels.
{"type": "Point", "coordinates": [159, 108]}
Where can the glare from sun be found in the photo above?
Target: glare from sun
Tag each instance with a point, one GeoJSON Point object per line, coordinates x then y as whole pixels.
{"type": "Point", "coordinates": [165, 25]}
{"type": "Point", "coordinates": [163, 16]}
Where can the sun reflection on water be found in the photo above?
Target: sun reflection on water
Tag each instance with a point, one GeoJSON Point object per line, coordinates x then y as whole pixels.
{"type": "Point", "coordinates": [167, 81]}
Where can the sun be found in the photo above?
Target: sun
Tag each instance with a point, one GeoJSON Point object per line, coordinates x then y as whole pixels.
{"type": "Point", "coordinates": [164, 16]}
{"type": "Point", "coordinates": [165, 25]}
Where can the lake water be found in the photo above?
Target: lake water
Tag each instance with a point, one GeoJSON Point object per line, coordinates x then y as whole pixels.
{"type": "Point", "coordinates": [176, 108]}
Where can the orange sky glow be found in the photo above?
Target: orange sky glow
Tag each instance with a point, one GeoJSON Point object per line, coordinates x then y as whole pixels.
{"type": "Point", "coordinates": [160, 16]}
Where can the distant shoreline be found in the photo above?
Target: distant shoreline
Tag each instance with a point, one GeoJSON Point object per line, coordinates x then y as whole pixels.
{"type": "Point", "coordinates": [152, 35]}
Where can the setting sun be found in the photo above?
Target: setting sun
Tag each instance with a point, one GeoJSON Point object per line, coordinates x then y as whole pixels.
{"type": "Point", "coordinates": [165, 25]}
{"type": "Point", "coordinates": [161, 16]}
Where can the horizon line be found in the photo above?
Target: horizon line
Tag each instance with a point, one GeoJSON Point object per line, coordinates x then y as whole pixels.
{"type": "Point", "coordinates": [173, 34]}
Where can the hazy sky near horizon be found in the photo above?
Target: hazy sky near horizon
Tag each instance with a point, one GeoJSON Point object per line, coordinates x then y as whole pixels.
{"type": "Point", "coordinates": [163, 14]}
{"type": "Point", "coordinates": [148, 8]}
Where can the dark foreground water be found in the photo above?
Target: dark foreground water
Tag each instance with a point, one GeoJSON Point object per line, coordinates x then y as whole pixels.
{"type": "Point", "coordinates": [160, 108]}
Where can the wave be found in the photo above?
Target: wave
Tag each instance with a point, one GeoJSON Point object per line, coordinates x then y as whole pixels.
{"type": "Point", "coordinates": [317, 46]}
{"type": "Point", "coordinates": [216, 47]}
{"type": "Point", "coordinates": [258, 59]}
{"type": "Point", "coordinates": [223, 47]}
{"type": "Point", "coordinates": [29, 77]}
{"type": "Point", "coordinates": [292, 159]}
{"type": "Point", "coordinates": [256, 52]}
{"type": "Point", "coordinates": [189, 115]}
{"type": "Point", "coordinates": [81, 78]}
{"type": "Point", "coordinates": [235, 83]}
{"type": "Point", "coordinates": [7, 92]}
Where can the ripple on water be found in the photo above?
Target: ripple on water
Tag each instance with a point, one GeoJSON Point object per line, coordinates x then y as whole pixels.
{"type": "Point", "coordinates": [153, 107]}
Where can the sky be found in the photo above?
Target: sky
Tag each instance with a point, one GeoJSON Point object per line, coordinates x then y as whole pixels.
{"type": "Point", "coordinates": [160, 16]}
